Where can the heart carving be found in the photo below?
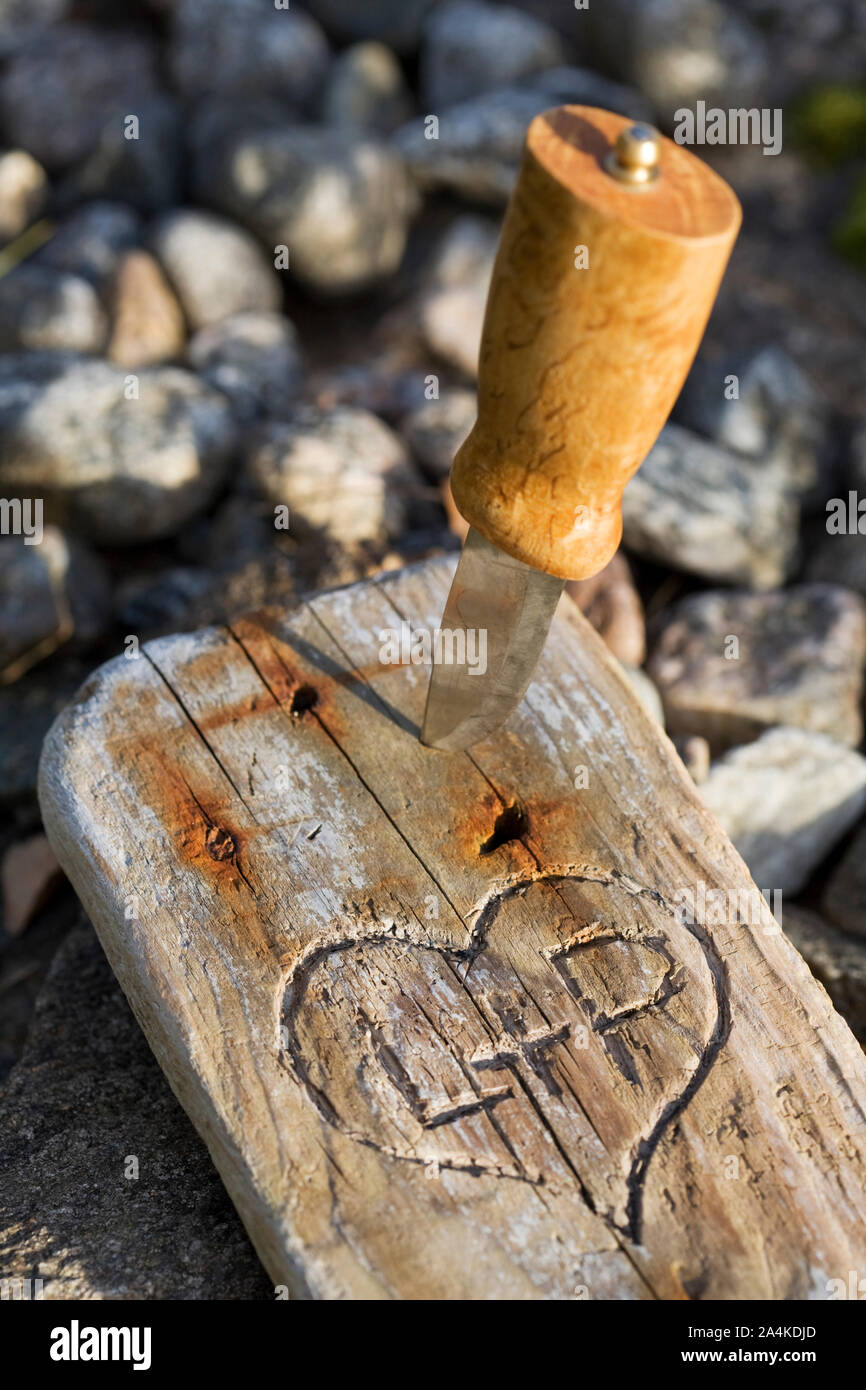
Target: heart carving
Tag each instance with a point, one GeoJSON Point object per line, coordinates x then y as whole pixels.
{"type": "Point", "coordinates": [555, 1047]}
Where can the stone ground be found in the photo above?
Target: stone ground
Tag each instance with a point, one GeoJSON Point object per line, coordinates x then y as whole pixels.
{"type": "Point", "coordinates": [158, 260]}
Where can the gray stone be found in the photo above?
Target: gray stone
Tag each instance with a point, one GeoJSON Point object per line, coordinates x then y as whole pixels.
{"type": "Point", "coordinates": [217, 268]}
{"type": "Point", "coordinates": [366, 90]}
{"type": "Point", "coordinates": [340, 205]}
{"type": "Point", "coordinates": [146, 171]}
{"type": "Point", "coordinates": [834, 959]}
{"type": "Point", "coordinates": [394, 22]}
{"type": "Point", "coordinates": [707, 510]}
{"type": "Point", "coordinates": [681, 51]}
{"type": "Point", "coordinates": [785, 800]}
{"type": "Point", "coordinates": [244, 48]}
{"type": "Point", "coordinates": [435, 431]}
{"type": "Point", "coordinates": [453, 303]}
{"type": "Point", "coordinates": [86, 1096]}
{"type": "Point", "coordinates": [51, 593]}
{"type": "Point", "coordinates": [28, 708]}
{"type": "Point", "coordinates": [730, 665]}
{"type": "Point", "coordinates": [477, 148]}
{"type": "Point", "coordinates": [21, 20]}
{"type": "Point", "coordinates": [91, 242]}
{"type": "Point", "coordinates": [253, 359]}
{"type": "Point", "coordinates": [65, 87]}
{"type": "Point", "coordinates": [777, 417]}
{"type": "Point", "coordinates": [113, 465]}
{"type": "Point", "coordinates": [342, 473]}
{"type": "Point", "coordinates": [470, 47]}
{"type": "Point", "coordinates": [43, 308]}
{"type": "Point", "coordinates": [23, 192]}
{"type": "Point", "coordinates": [149, 605]}
{"type": "Point", "coordinates": [610, 601]}
{"type": "Point", "coordinates": [695, 754]}
{"type": "Point", "coordinates": [838, 559]}
{"type": "Point", "coordinates": [384, 388]}
{"type": "Point", "coordinates": [844, 899]}
{"type": "Point", "coordinates": [857, 466]}
{"type": "Point", "coordinates": [570, 86]}
{"type": "Point", "coordinates": [646, 692]}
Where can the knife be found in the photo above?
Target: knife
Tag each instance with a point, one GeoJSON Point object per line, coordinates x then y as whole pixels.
{"type": "Point", "coordinates": [612, 250]}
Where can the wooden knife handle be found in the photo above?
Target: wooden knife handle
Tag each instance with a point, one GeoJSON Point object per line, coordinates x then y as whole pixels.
{"type": "Point", "coordinates": [579, 367]}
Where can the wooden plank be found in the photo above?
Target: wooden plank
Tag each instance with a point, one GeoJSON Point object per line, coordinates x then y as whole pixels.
{"type": "Point", "coordinates": [441, 1019]}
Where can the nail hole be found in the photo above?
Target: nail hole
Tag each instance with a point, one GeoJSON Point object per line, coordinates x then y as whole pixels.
{"type": "Point", "coordinates": [510, 824]}
{"type": "Point", "coordinates": [220, 844]}
{"type": "Point", "coordinates": [304, 698]}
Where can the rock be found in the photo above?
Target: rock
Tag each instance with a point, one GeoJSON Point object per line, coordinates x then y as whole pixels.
{"type": "Point", "coordinates": [23, 192]}
{"type": "Point", "coordinates": [148, 323]}
{"type": "Point", "coordinates": [709, 511]}
{"type": "Point", "coordinates": [681, 51]}
{"type": "Point", "coordinates": [785, 800]}
{"type": "Point", "coordinates": [844, 899]}
{"type": "Point", "coordinates": [42, 308]}
{"type": "Point", "coordinates": [216, 268]}
{"type": "Point", "coordinates": [27, 710]}
{"type": "Point", "coordinates": [254, 359]}
{"type": "Point", "coordinates": [385, 389]}
{"type": "Point", "coordinates": [645, 692]}
{"type": "Point", "coordinates": [241, 48]}
{"type": "Point", "coordinates": [343, 473]}
{"type": "Point", "coordinates": [30, 873]}
{"type": "Point", "coordinates": [583, 87]}
{"type": "Point", "coordinates": [366, 90]}
{"type": "Point", "coordinates": [476, 150]}
{"type": "Point", "coordinates": [85, 1098]}
{"type": "Point", "coordinates": [91, 241]}
{"type": "Point", "coordinates": [62, 89]}
{"type": "Point", "coordinates": [857, 463]}
{"type": "Point", "coordinates": [470, 47]}
{"type": "Point", "coordinates": [50, 593]}
{"type": "Point", "coordinates": [776, 419]}
{"type": "Point", "coordinates": [453, 304]}
{"type": "Point", "coordinates": [730, 665]}
{"type": "Point", "coordinates": [120, 459]}
{"type": "Point", "coordinates": [394, 22]}
{"type": "Point", "coordinates": [838, 560]}
{"type": "Point", "coordinates": [241, 529]}
{"type": "Point", "coordinates": [435, 431]}
{"type": "Point", "coordinates": [21, 20]}
{"type": "Point", "coordinates": [141, 165]}
{"type": "Point", "coordinates": [695, 754]}
{"type": "Point", "coordinates": [340, 205]}
{"type": "Point", "coordinates": [149, 605]}
{"type": "Point", "coordinates": [837, 549]}
{"type": "Point", "coordinates": [610, 601]}
{"type": "Point", "coordinates": [457, 524]}
{"type": "Point", "coordinates": [834, 959]}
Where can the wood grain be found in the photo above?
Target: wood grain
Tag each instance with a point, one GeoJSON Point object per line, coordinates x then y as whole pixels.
{"type": "Point", "coordinates": [438, 1017]}
{"type": "Point", "coordinates": [580, 365]}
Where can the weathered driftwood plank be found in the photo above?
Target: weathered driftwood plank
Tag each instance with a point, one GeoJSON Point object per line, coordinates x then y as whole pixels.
{"type": "Point", "coordinates": [437, 1016]}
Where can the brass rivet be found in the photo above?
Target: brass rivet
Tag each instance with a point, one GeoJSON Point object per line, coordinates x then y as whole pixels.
{"type": "Point", "coordinates": [634, 159]}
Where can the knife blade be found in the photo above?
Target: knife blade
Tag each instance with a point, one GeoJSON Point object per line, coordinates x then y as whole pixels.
{"type": "Point", "coordinates": [612, 250]}
{"type": "Point", "coordinates": [503, 608]}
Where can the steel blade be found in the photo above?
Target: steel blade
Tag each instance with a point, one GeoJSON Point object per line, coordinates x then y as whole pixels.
{"type": "Point", "coordinates": [504, 609]}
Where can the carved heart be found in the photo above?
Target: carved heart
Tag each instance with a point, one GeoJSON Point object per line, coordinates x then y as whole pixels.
{"type": "Point", "coordinates": [555, 1047]}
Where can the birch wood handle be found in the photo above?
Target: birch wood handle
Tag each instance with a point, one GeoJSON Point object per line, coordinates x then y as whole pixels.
{"type": "Point", "coordinates": [580, 367]}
